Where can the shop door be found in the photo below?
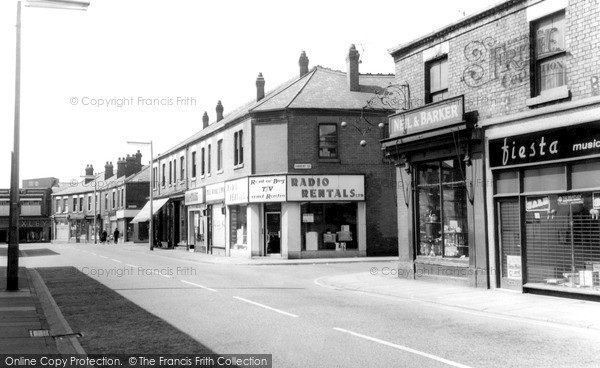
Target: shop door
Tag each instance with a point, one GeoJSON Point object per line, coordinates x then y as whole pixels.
{"type": "Point", "coordinates": [509, 239]}
{"type": "Point", "coordinates": [273, 233]}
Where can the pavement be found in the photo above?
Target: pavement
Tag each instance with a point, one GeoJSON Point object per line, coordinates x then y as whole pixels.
{"type": "Point", "coordinates": [33, 309]}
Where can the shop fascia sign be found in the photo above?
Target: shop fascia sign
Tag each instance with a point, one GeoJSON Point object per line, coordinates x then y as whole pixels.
{"type": "Point", "coordinates": [236, 191]}
{"type": "Point", "coordinates": [433, 116]}
{"type": "Point", "coordinates": [264, 189]}
{"type": "Point", "coordinates": [325, 188]}
{"type": "Point", "coordinates": [33, 223]}
{"type": "Point", "coordinates": [215, 192]}
{"type": "Point", "coordinates": [194, 196]}
{"type": "Point", "coordinates": [548, 145]}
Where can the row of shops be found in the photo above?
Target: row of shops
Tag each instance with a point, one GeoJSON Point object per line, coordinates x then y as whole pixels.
{"type": "Point", "coordinates": [291, 216]}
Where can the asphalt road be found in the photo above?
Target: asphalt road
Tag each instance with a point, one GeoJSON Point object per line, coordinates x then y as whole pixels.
{"type": "Point", "coordinates": [281, 310]}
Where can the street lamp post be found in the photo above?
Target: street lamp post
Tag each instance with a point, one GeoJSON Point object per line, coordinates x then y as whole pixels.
{"type": "Point", "coordinates": [12, 262]}
{"type": "Point", "coordinates": [151, 219]}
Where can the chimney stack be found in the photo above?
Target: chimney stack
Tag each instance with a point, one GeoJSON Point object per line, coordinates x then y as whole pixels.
{"type": "Point", "coordinates": [303, 62]}
{"type": "Point", "coordinates": [130, 165]}
{"type": "Point", "coordinates": [121, 166]}
{"type": "Point", "coordinates": [138, 158]}
{"type": "Point", "coordinates": [260, 87]}
{"type": "Point", "coordinates": [89, 171]}
{"type": "Point", "coordinates": [219, 111]}
{"type": "Point", "coordinates": [108, 170]}
{"type": "Point", "coordinates": [205, 120]}
{"type": "Point", "coordinates": [352, 66]}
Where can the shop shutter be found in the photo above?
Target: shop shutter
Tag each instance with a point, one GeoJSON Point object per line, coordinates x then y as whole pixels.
{"type": "Point", "coordinates": [509, 234]}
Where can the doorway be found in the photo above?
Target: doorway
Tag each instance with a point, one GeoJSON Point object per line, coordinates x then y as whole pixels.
{"type": "Point", "coordinates": [509, 240]}
{"type": "Point", "coordinates": [272, 233]}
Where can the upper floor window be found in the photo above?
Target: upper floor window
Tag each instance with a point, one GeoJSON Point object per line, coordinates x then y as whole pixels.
{"type": "Point", "coordinates": [436, 80]}
{"type": "Point", "coordinates": [154, 178]}
{"type": "Point", "coordinates": [219, 155]}
{"type": "Point", "coordinates": [175, 170]}
{"type": "Point", "coordinates": [182, 168]}
{"type": "Point", "coordinates": [163, 174]}
{"type": "Point", "coordinates": [238, 148]}
{"type": "Point", "coordinates": [58, 209]}
{"type": "Point", "coordinates": [74, 204]}
{"type": "Point", "coordinates": [114, 199]}
{"type": "Point", "coordinates": [328, 141]}
{"type": "Point", "coordinates": [170, 172]}
{"type": "Point", "coordinates": [202, 162]}
{"type": "Point", "coordinates": [106, 201]}
{"type": "Point", "coordinates": [208, 160]}
{"type": "Point", "coordinates": [550, 56]}
{"type": "Point", "coordinates": [122, 197]}
{"type": "Point", "coordinates": [193, 164]}
{"type": "Point", "coordinates": [89, 207]}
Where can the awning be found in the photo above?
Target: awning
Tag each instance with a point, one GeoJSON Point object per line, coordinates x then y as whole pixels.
{"type": "Point", "coordinates": [144, 214]}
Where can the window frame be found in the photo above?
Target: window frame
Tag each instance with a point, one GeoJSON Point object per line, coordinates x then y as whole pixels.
{"type": "Point", "coordinates": [220, 155]}
{"type": "Point", "coordinates": [193, 164]}
{"type": "Point", "coordinates": [238, 148]}
{"type": "Point", "coordinates": [337, 141]}
{"type": "Point", "coordinates": [429, 95]}
{"type": "Point", "coordinates": [536, 61]}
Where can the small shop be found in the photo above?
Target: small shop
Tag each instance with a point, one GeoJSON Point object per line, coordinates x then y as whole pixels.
{"type": "Point", "coordinates": [546, 196]}
{"type": "Point", "coordinates": [236, 200]}
{"type": "Point", "coordinates": [34, 230]}
{"type": "Point", "coordinates": [438, 154]}
{"type": "Point", "coordinates": [267, 195]}
{"type": "Point", "coordinates": [196, 212]}
{"type": "Point", "coordinates": [216, 223]}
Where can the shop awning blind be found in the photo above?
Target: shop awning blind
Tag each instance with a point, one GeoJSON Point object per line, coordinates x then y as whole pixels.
{"type": "Point", "coordinates": [144, 214]}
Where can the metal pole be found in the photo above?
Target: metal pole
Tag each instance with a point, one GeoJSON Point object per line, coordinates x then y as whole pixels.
{"type": "Point", "coordinates": [151, 220]}
{"type": "Point", "coordinates": [12, 270]}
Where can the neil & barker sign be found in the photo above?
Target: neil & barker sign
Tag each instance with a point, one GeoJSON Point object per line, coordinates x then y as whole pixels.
{"type": "Point", "coordinates": [548, 145]}
{"type": "Point", "coordinates": [430, 117]}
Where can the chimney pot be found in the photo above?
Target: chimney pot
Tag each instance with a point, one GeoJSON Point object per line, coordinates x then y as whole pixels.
{"type": "Point", "coordinates": [205, 120]}
{"type": "Point", "coordinates": [260, 87]}
{"type": "Point", "coordinates": [303, 62]}
{"type": "Point", "coordinates": [352, 66]}
{"type": "Point", "coordinates": [219, 111]}
{"type": "Point", "coordinates": [108, 170]}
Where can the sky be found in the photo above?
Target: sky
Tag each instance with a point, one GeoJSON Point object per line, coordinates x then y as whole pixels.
{"type": "Point", "coordinates": [141, 70]}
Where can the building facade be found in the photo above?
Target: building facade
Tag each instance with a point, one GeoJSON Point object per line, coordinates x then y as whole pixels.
{"type": "Point", "coordinates": [498, 152]}
{"type": "Point", "coordinates": [106, 201]}
{"type": "Point", "coordinates": [296, 173]}
{"type": "Point", "coordinates": [36, 210]}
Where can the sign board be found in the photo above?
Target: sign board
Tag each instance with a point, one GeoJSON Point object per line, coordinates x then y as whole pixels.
{"type": "Point", "coordinates": [596, 200]}
{"type": "Point", "coordinates": [194, 196]}
{"type": "Point", "coordinates": [533, 204]}
{"type": "Point", "coordinates": [303, 166]}
{"type": "Point", "coordinates": [430, 117]}
{"type": "Point", "coordinates": [513, 267]}
{"type": "Point", "coordinates": [565, 200]}
{"type": "Point", "coordinates": [267, 189]}
{"type": "Point", "coordinates": [556, 144]}
{"type": "Point", "coordinates": [308, 217]}
{"type": "Point", "coordinates": [215, 192]}
{"type": "Point", "coordinates": [236, 191]}
{"type": "Point", "coordinates": [325, 188]}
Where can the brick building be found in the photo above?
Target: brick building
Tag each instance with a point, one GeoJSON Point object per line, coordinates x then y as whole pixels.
{"type": "Point", "coordinates": [109, 200]}
{"type": "Point", "coordinates": [497, 150]}
{"type": "Point", "coordinates": [35, 211]}
{"type": "Point", "coordinates": [296, 173]}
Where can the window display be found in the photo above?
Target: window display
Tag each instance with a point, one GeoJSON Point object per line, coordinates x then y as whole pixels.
{"type": "Point", "coordinates": [238, 227]}
{"type": "Point", "coordinates": [442, 210]}
{"type": "Point", "coordinates": [329, 226]}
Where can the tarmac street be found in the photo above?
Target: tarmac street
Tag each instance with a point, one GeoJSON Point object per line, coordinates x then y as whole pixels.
{"type": "Point", "coordinates": [333, 314]}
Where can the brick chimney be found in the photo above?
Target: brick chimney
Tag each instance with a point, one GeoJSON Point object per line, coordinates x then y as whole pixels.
{"type": "Point", "coordinates": [89, 171]}
{"type": "Point", "coordinates": [138, 158]}
{"type": "Point", "coordinates": [352, 66]}
{"type": "Point", "coordinates": [205, 120]}
{"type": "Point", "coordinates": [303, 62]}
{"type": "Point", "coordinates": [108, 170]}
{"type": "Point", "coordinates": [260, 87]}
{"type": "Point", "coordinates": [121, 166]}
{"type": "Point", "coordinates": [130, 165]}
{"type": "Point", "coordinates": [219, 111]}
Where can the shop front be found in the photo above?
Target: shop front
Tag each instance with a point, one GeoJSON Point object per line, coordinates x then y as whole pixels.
{"type": "Point", "coordinates": [34, 230]}
{"type": "Point", "coordinates": [267, 197]}
{"type": "Point", "coordinates": [438, 154]}
{"type": "Point", "coordinates": [547, 204]}
{"type": "Point", "coordinates": [196, 212]}
{"type": "Point", "coordinates": [236, 199]}
{"type": "Point", "coordinates": [216, 223]}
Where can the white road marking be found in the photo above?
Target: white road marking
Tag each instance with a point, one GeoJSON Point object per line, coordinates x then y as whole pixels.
{"type": "Point", "coordinates": [130, 265]}
{"type": "Point", "coordinates": [265, 306]}
{"type": "Point", "coordinates": [197, 285]}
{"type": "Point", "coordinates": [116, 260]}
{"type": "Point", "coordinates": [104, 257]}
{"type": "Point", "coordinates": [94, 254]}
{"type": "Point", "coordinates": [403, 348]}
{"type": "Point", "coordinates": [160, 274]}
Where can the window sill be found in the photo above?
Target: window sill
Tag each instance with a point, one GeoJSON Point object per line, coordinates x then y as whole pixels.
{"type": "Point", "coordinates": [332, 160]}
{"type": "Point", "coordinates": [443, 261]}
{"type": "Point", "coordinates": [554, 94]}
{"type": "Point", "coordinates": [219, 172]}
{"type": "Point", "coordinates": [237, 167]}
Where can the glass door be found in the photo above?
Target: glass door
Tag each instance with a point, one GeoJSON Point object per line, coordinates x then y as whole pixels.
{"type": "Point", "coordinates": [272, 233]}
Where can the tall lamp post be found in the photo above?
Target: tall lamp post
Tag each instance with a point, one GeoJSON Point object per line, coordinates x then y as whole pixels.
{"type": "Point", "coordinates": [12, 269]}
{"type": "Point", "coordinates": [151, 219]}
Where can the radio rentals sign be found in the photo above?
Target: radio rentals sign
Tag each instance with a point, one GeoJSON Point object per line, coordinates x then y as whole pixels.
{"type": "Point", "coordinates": [326, 188]}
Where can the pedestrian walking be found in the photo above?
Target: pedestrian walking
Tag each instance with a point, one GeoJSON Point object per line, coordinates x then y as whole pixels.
{"type": "Point", "coordinates": [116, 236]}
{"type": "Point", "coordinates": [103, 237]}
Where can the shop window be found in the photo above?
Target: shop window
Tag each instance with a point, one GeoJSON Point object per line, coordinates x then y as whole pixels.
{"type": "Point", "coordinates": [238, 227]}
{"type": "Point", "coordinates": [442, 225]}
{"type": "Point", "coordinates": [544, 179]}
{"type": "Point", "coordinates": [193, 164]}
{"type": "Point", "coordinates": [507, 182]}
{"type": "Point", "coordinates": [329, 226]}
{"type": "Point", "coordinates": [436, 83]}
{"type": "Point", "coordinates": [238, 148]}
{"type": "Point", "coordinates": [328, 141]}
{"type": "Point", "coordinates": [585, 175]}
{"type": "Point", "coordinates": [219, 155]}
{"type": "Point", "coordinates": [550, 55]}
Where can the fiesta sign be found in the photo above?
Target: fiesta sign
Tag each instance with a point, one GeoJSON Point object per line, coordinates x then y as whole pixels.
{"type": "Point", "coordinates": [433, 116]}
